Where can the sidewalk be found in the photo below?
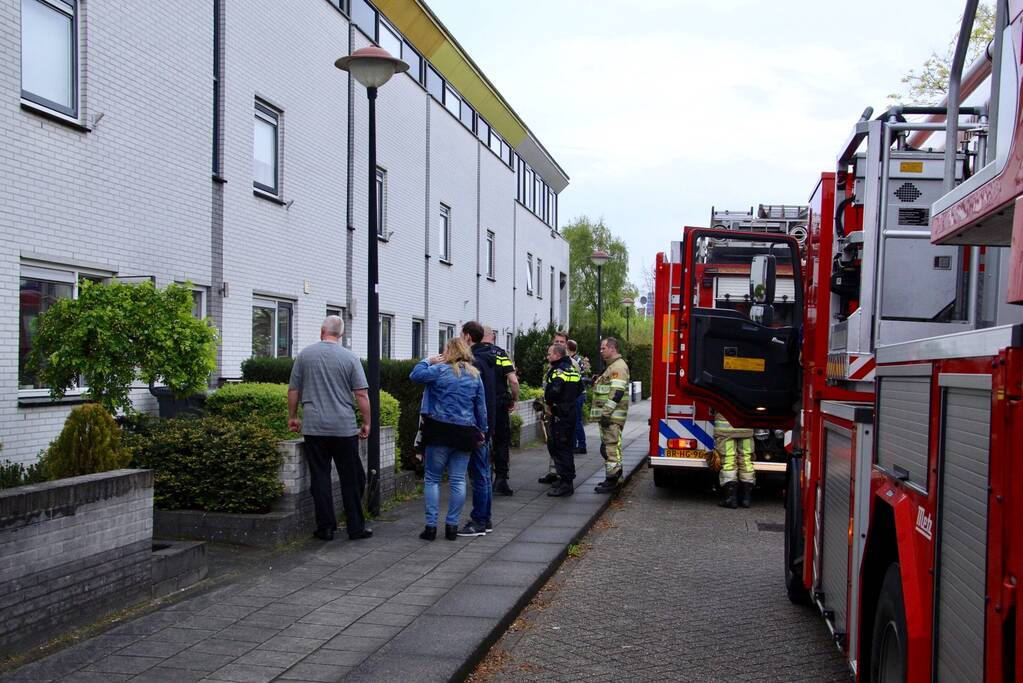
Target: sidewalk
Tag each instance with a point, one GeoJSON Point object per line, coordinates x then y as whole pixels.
{"type": "Point", "coordinates": [387, 608]}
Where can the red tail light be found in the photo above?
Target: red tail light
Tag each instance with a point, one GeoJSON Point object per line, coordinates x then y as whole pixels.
{"type": "Point", "coordinates": [681, 443]}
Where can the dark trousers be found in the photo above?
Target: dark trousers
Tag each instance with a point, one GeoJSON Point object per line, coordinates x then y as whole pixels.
{"type": "Point", "coordinates": [502, 442]}
{"type": "Point", "coordinates": [580, 434]}
{"type": "Point", "coordinates": [560, 436]}
{"type": "Point", "coordinates": [343, 451]}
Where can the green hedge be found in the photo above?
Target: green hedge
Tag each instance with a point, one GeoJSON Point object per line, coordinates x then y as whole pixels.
{"type": "Point", "coordinates": [394, 379]}
{"type": "Point", "coordinates": [531, 353]}
{"type": "Point", "coordinates": [14, 474]}
{"type": "Point", "coordinates": [640, 359]}
{"type": "Point", "coordinates": [268, 370]}
{"type": "Point", "coordinates": [210, 463]}
{"type": "Point", "coordinates": [89, 442]}
{"type": "Point", "coordinates": [265, 404]}
{"type": "Point", "coordinates": [515, 422]}
{"type": "Point", "coordinates": [528, 393]}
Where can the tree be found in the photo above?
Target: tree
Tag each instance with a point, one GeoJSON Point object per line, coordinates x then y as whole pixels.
{"type": "Point", "coordinates": [114, 334]}
{"type": "Point", "coordinates": [930, 84]}
{"type": "Point", "coordinates": [584, 236]}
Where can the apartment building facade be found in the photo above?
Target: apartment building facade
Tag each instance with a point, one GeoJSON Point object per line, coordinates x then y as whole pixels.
{"type": "Point", "coordinates": [215, 143]}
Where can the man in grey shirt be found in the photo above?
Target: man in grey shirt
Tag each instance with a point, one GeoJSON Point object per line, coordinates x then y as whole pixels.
{"type": "Point", "coordinates": [328, 380]}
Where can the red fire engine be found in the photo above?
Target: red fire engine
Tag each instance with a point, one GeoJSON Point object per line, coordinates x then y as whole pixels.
{"type": "Point", "coordinates": [904, 506]}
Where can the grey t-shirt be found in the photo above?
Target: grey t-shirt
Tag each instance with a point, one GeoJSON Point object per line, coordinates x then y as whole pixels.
{"type": "Point", "coordinates": [326, 374]}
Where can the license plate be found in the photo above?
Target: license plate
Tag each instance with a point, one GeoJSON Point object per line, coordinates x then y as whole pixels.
{"type": "Point", "coordinates": [684, 453]}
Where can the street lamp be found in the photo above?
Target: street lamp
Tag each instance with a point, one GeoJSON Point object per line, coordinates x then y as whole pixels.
{"type": "Point", "coordinates": [628, 302]}
{"type": "Point", "coordinates": [599, 258]}
{"type": "Point", "coordinates": [372, 67]}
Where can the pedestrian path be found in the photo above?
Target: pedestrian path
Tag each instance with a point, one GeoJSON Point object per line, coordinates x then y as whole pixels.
{"type": "Point", "coordinates": [392, 607]}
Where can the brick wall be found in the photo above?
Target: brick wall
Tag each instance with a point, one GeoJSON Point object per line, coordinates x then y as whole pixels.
{"type": "Point", "coordinates": [71, 550]}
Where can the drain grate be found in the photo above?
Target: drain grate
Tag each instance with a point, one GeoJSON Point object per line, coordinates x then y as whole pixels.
{"type": "Point", "coordinates": [770, 526]}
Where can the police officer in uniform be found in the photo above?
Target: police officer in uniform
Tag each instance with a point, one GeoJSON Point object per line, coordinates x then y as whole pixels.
{"type": "Point", "coordinates": [560, 337]}
{"type": "Point", "coordinates": [561, 389]}
{"type": "Point", "coordinates": [609, 409]}
{"type": "Point", "coordinates": [507, 387]}
{"type": "Point", "coordinates": [735, 448]}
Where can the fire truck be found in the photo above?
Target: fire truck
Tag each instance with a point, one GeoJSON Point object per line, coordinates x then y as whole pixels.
{"type": "Point", "coordinates": [682, 428]}
{"type": "Point", "coordinates": [904, 505]}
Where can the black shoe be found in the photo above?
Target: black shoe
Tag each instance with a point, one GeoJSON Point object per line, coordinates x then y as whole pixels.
{"type": "Point", "coordinates": [501, 488]}
{"type": "Point", "coordinates": [471, 528]}
{"type": "Point", "coordinates": [451, 531]}
{"type": "Point", "coordinates": [745, 493]}
{"type": "Point", "coordinates": [561, 490]}
{"type": "Point", "coordinates": [580, 451]}
{"type": "Point", "coordinates": [324, 534]}
{"type": "Point", "coordinates": [365, 533]}
{"type": "Point", "coordinates": [488, 527]}
{"type": "Point", "coordinates": [549, 478]}
{"type": "Point", "coordinates": [607, 486]}
{"type": "Point", "coordinates": [731, 491]}
{"type": "Point", "coordinates": [429, 533]}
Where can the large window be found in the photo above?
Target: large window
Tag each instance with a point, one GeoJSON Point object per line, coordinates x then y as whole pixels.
{"type": "Point", "coordinates": [266, 149]}
{"type": "Point", "coordinates": [414, 61]}
{"type": "Point", "coordinates": [491, 254]}
{"type": "Point", "coordinates": [445, 333]}
{"type": "Point", "coordinates": [49, 54]}
{"type": "Point", "coordinates": [386, 336]}
{"type": "Point", "coordinates": [444, 230]}
{"type": "Point", "coordinates": [272, 327]}
{"type": "Point", "coordinates": [365, 17]}
{"type": "Point", "coordinates": [418, 350]}
{"type": "Point", "coordinates": [467, 115]}
{"type": "Point", "coordinates": [434, 83]}
{"type": "Point", "coordinates": [381, 196]}
{"type": "Point", "coordinates": [388, 38]}
{"type": "Point", "coordinates": [452, 102]}
{"type": "Point", "coordinates": [529, 274]}
{"type": "Point", "coordinates": [39, 289]}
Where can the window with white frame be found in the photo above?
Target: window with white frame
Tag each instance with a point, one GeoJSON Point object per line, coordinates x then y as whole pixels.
{"type": "Point", "coordinates": [266, 149]}
{"type": "Point", "coordinates": [539, 278]}
{"type": "Point", "coordinates": [509, 344]}
{"type": "Point", "coordinates": [452, 102]}
{"type": "Point", "coordinates": [387, 37]}
{"type": "Point", "coordinates": [40, 287]}
{"type": "Point", "coordinates": [386, 336]}
{"type": "Point", "coordinates": [529, 274]}
{"type": "Point", "coordinates": [491, 259]}
{"type": "Point", "coordinates": [445, 333]}
{"type": "Point", "coordinates": [381, 189]}
{"type": "Point", "coordinates": [418, 350]}
{"type": "Point", "coordinates": [272, 323]}
{"type": "Point", "coordinates": [444, 233]}
{"type": "Point", "coordinates": [49, 54]}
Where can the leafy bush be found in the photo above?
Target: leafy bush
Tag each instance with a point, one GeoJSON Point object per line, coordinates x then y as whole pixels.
{"type": "Point", "coordinates": [113, 334]}
{"type": "Point", "coordinates": [408, 396]}
{"type": "Point", "coordinates": [516, 430]}
{"type": "Point", "coordinates": [271, 370]}
{"type": "Point", "coordinates": [90, 442]}
{"type": "Point", "coordinates": [531, 353]}
{"type": "Point", "coordinates": [265, 404]}
{"type": "Point", "coordinates": [528, 393]}
{"type": "Point", "coordinates": [640, 359]}
{"type": "Point", "coordinates": [210, 463]}
{"type": "Point", "coordinates": [14, 474]}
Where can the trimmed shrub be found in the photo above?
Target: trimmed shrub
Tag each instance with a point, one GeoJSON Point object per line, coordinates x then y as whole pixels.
{"type": "Point", "coordinates": [90, 442]}
{"type": "Point", "coordinates": [210, 463]}
{"type": "Point", "coordinates": [531, 353]}
{"type": "Point", "coordinates": [528, 393]}
{"type": "Point", "coordinates": [14, 474]}
{"type": "Point", "coordinates": [640, 359]}
{"type": "Point", "coordinates": [268, 370]}
{"type": "Point", "coordinates": [408, 396]}
{"type": "Point", "coordinates": [265, 404]}
{"type": "Point", "coordinates": [516, 430]}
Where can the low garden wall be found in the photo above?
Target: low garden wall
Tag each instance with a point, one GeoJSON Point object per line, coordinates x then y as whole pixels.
{"type": "Point", "coordinates": [531, 428]}
{"type": "Point", "coordinates": [292, 515]}
{"type": "Point", "coordinates": [72, 550]}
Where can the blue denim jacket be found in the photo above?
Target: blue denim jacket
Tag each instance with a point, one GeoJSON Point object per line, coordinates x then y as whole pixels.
{"type": "Point", "coordinates": [449, 398]}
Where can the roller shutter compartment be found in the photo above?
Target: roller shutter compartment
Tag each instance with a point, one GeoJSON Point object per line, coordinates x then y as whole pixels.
{"type": "Point", "coordinates": [904, 405]}
{"type": "Point", "coordinates": [835, 554]}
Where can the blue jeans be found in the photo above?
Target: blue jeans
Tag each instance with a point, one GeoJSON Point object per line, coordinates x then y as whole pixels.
{"type": "Point", "coordinates": [437, 459]}
{"type": "Point", "coordinates": [580, 435]}
{"type": "Point", "coordinates": [482, 487]}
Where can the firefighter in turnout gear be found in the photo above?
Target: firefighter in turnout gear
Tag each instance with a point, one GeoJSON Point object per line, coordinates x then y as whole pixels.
{"type": "Point", "coordinates": [561, 388]}
{"type": "Point", "coordinates": [735, 448]}
{"type": "Point", "coordinates": [609, 409]}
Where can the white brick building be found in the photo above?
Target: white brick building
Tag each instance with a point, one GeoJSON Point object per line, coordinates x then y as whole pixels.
{"type": "Point", "coordinates": [216, 143]}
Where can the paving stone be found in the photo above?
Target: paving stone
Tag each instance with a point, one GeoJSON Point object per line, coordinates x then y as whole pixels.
{"type": "Point", "coordinates": [263, 619]}
{"type": "Point", "coordinates": [502, 573]}
{"type": "Point", "coordinates": [520, 551]}
{"type": "Point", "coordinates": [314, 672]}
{"type": "Point", "coordinates": [164, 674]}
{"type": "Point", "coordinates": [339, 658]}
{"type": "Point", "coordinates": [387, 618]}
{"type": "Point", "coordinates": [354, 643]}
{"type": "Point", "coordinates": [317, 631]}
{"type": "Point", "coordinates": [479, 601]}
{"type": "Point", "coordinates": [288, 609]}
{"type": "Point", "coordinates": [273, 658]}
{"type": "Point", "coordinates": [292, 644]}
{"type": "Point", "coordinates": [455, 636]}
{"type": "Point", "coordinates": [246, 673]}
{"type": "Point", "coordinates": [223, 646]}
{"type": "Point", "coordinates": [231, 611]}
{"type": "Point", "coordinates": [193, 660]}
{"type": "Point", "coordinates": [323, 617]}
{"type": "Point", "coordinates": [389, 666]}
{"type": "Point", "coordinates": [120, 664]}
{"type": "Point", "coordinates": [368, 630]}
{"type": "Point", "coordinates": [249, 634]}
{"type": "Point", "coordinates": [551, 534]}
{"type": "Point", "coordinates": [95, 677]}
{"type": "Point", "coordinates": [188, 636]}
{"type": "Point", "coordinates": [153, 648]}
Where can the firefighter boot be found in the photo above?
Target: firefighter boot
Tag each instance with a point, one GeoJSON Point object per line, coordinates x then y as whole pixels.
{"type": "Point", "coordinates": [745, 493]}
{"type": "Point", "coordinates": [607, 486]}
{"type": "Point", "coordinates": [731, 490]}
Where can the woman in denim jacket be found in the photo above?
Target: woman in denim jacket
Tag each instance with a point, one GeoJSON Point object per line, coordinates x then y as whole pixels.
{"type": "Point", "coordinates": [454, 423]}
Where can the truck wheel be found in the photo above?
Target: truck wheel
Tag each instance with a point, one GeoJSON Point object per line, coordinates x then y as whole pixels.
{"type": "Point", "coordinates": [797, 592]}
{"type": "Point", "coordinates": [662, 477]}
{"type": "Point", "coordinates": [888, 642]}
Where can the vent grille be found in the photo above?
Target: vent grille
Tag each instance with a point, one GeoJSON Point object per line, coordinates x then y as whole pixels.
{"type": "Point", "coordinates": [908, 192]}
{"type": "Point", "coordinates": [915, 217]}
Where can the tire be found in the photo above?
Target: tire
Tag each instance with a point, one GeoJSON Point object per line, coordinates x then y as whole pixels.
{"type": "Point", "coordinates": [662, 477]}
{"type": "Point", "coordinates": [888, 639]}
{"type": "Point", "coordinates": [798, 595]}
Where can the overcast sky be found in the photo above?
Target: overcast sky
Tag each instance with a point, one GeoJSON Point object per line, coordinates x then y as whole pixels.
{"type": "Point", "coordinates": [659, 109]}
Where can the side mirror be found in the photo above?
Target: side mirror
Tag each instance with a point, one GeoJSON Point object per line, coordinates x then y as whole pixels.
{"type": "Point", "coordinates": [762, 279]}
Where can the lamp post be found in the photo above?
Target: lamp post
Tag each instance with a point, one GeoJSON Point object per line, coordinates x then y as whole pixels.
{"type": "Point", "coordinates": [599, 258]}
{"type": "Point", "coordinates": [628, 302]}
{"type": "Point", "coordinates": [372, 67]}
